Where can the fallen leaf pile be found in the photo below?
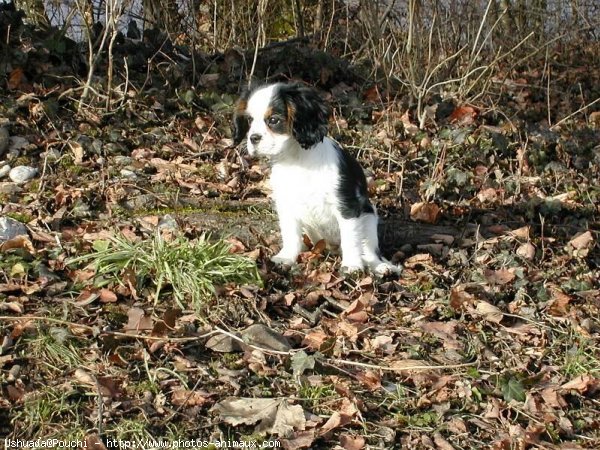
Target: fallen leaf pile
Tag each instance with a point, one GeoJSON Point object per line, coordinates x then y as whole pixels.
{"type": "Point", "coordinates": [489, 338]}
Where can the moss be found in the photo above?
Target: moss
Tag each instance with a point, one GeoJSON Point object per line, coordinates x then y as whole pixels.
{"type": "Point", "coordinates": [20, 217]}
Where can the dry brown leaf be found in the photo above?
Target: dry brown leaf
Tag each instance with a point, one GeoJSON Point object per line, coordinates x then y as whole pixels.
{"type": "Point", "coordinates": [582, 383]}
{"type": "Point", "coordinates": [383, 343]}
{"type": "Point", "coordinates": [11, 306]}
{"type": "Point", "coordinates": [500, 276]}
{"type": "Point", "coordinates": [299, 439]}
{"type": "Point", "coordinates": [369, 379]}
{"type": "Point", "coordinates": [425, 212]}
{"type": "Point", "coordinates": [487, 195]}
{"type": "Point", "coordinates": [276, 416]}
{"type": "Point", "coordinates": [559, 303]}
{"type": "Point", "coordinates": [526, 251]}
{"type": "Point", "coordinates": [16, 78]}
{"type": "Point", "coordinates": [248, 411]}
{"type": "Point", "coordinates": [488, 312]}
{"type": "Point", "coordinates": [107, 296]}
{"type": "Point", "coordinates": [407, 365]}
{"type": "Point", "coordinates": [86, 297]}
{"type": "Point", "coordinates": [85, 378]}
{"type": "Point", "coordinates": [138, 320]}
{"type": "Point", "coordinates": [18, 242]}
{"type": "Point", "coordinates": [441, 443]}
{"type": "Point", "coordinates": [78, 152]}
{"type": "Point", "coordinates": [446, 331]}
{"type": "Point", "coordinates": [464, 115]}
{"type": "Point", "coordinates": [94, 442]}
{"type": "Point", "coordinates": [461, 299]}
{"type": "Point", "coordinates": [350, 330]}
{"type": "Point", "coordinates": [340, 418]}
{"type": "Point", "coordinates": [356, 312]}
{"type": "Point", "coordinates": [349, 442]}
{"type": "Point", "coordinates": [418, 259]}
{"type": "Point", "coordinates": [186, 397]}
{"type": "Point", "coordinates": [315, 339]}
{"type": "Point", "coordinates": [582, 241]}
{"type": "Point", "coordinates": [521, 233]}
{"type": "Point", "coordinates": [552, 398]}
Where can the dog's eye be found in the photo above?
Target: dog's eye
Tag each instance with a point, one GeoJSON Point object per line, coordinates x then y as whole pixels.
{"type": "Point", "coordinates": [274, 120]}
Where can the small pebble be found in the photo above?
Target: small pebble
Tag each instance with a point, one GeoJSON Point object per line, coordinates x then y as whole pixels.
{"type": "Point", "coordinates": [128, 173]}
{"type": "Point", "coordinates": [122, 160]}
{"type": "Point", "coordinates": [22, 174]}
{"type": "Point", "coordinates": [167, 222]}
{"type": "Point", "coordinates": [10, 228]}
{"type": "Point", "coordinates": [4, 171]}
{"type": "Point", "coordinates": [53, 155]}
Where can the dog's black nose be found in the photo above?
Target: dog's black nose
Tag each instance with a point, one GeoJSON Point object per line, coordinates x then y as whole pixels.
{"type": "Point", "coordinates": [255, 138]}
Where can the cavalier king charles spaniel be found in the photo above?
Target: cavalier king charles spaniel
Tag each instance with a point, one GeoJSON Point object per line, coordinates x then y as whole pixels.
{"type": "Point", "coordinates": [318, 187]}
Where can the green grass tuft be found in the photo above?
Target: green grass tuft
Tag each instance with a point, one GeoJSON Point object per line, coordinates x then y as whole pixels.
{"type": "Point", "coordinates": [191, 268]}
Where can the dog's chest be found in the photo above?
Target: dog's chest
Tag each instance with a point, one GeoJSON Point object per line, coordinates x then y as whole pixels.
{"type": "Point", "coordinates": [305, 192]}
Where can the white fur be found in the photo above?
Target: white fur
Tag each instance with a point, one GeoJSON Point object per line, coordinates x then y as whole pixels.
{"type": "Point", "coordinates": [304, 184]}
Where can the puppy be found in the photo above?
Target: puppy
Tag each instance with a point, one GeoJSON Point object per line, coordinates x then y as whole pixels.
{"type": "Point", "coordinates": [318, 187]}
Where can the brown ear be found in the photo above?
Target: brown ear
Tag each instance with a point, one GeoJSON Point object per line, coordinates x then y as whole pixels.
{"type": "Point", "coordinates": [240, 125]}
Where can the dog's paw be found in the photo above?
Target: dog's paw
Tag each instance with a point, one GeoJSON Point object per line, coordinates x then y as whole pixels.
{"type": "Point", "coordinates": [385, 268]}
{"type": "Point", "coordinates": [284, 259]}
{"type": "Point", "coordinates": [350, 267]}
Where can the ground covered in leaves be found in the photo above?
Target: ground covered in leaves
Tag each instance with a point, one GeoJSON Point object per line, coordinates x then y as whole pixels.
{"type": "Point", "coordinates": [488, 339]}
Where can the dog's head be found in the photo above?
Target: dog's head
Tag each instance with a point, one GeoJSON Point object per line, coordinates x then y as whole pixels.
{"type": "Point", "coordinates": [273, 116]}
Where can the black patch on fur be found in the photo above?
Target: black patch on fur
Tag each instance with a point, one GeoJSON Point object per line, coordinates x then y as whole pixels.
{"type": "Point", "coordinates": [240, 125]}
{"type": "Point", "coordinates": [278, 111]}
{"type": "Point", "coordinates": [306, 110]}
{"type": "Point", "coordinates": [352, 188]}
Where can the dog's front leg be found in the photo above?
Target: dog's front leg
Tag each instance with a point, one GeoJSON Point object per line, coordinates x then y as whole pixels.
{"type": "Point", "coordinates": [351, 244]}
{"type": "Point", "coordinates": [291, 235]}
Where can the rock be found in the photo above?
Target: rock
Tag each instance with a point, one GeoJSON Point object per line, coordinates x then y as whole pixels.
{"type": "Point", "coordinates": [121, 160]}
{"type": "Point", "coordinates": [4, 171]}
{"type": "Point", "coordinates": [52, 155]}
{"type": "Point", "coordinates": [81, 209]}
{"type": "Point", "coordinates": [262, 336]}
{"type": "Point", "coordinates": [22, 174]}
{"type": "Point", "coordinates": [128, 174]}
{"type": "Point", "coordinates": [167, 222]}
{"type": "Point", "coordinates": [258, 335]}
{"type": "Point", "coordinates": [9, 188]}
{"type": "Point", "coordinates": [4, 140]}
{"type": "Point", "coordinates": [224, 344]}
{"type": "Point", "coordinates": [139, 202]}
{"type": "Point", "coordinates": [18, 143]}
{"type": "Point", "coordinates": [10, 228]}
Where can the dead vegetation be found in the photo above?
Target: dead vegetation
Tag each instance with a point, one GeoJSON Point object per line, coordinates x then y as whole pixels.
{"type": "Point", "coordinates": [481, 142]}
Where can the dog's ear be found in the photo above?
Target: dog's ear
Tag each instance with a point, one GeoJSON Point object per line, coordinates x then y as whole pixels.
{"type": "Point", "coordinates": [240, 126]}
{"type": "Point", "coordinates": [308, 113]}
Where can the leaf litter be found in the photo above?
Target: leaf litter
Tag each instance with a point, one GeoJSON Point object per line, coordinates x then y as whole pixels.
{"type": "Point", "coordinates": [488, 339]}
